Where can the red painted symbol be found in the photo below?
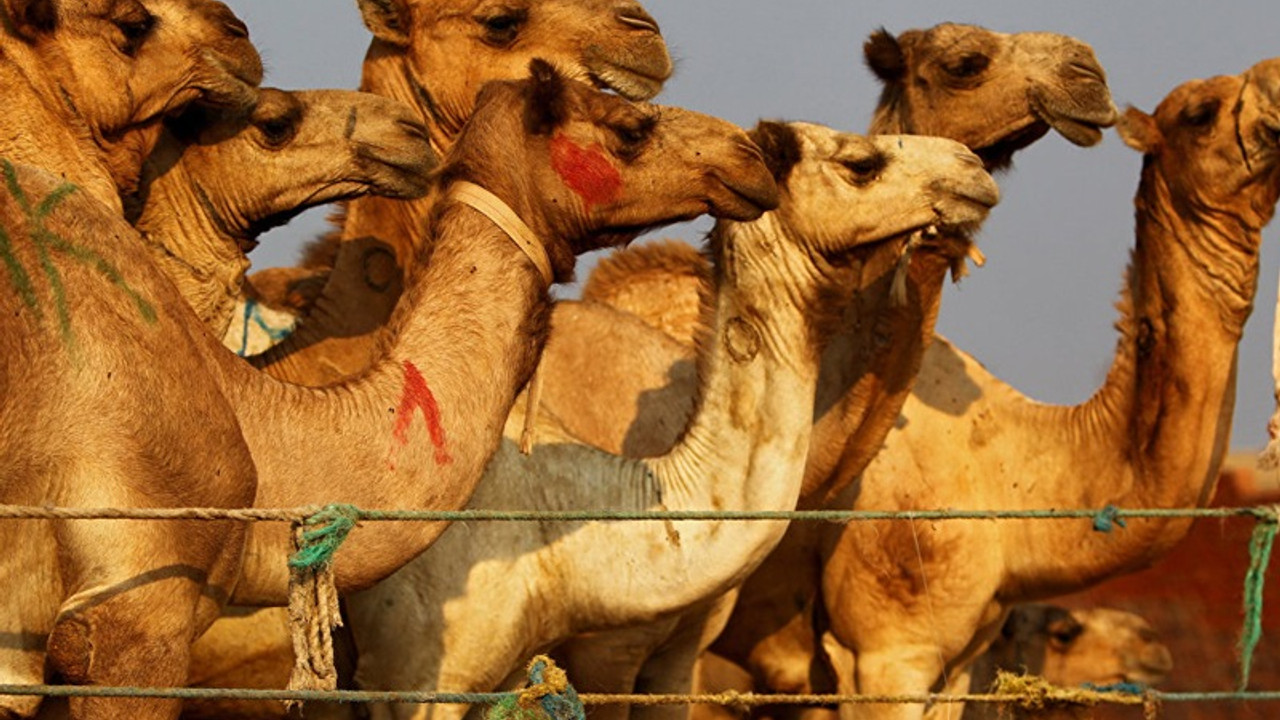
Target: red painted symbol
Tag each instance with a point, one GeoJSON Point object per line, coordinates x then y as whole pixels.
{"type": "Point", "coordinates": [587, 171]}
{"type": "Point", "coordinates": [417, 395]}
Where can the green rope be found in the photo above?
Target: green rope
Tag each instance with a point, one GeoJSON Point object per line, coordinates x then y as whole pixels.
{"type": "Point", "coordinates": [329, 528]}
{"type": "Point", "coordinates": [1264, 537]}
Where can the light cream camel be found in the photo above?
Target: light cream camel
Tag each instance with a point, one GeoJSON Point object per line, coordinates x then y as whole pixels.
{"type": "Point", "coordinates": [434, 55]}
{"type": "Point", "coordinates": [87, 83]}
{"type": "Point", "coordinates": [97, 420]}
{"type": "Point", "coordinates": [1153, 435]}
{"type": "Point", "coordinates": [993, 91]}
{"type": "Point", "coordinates": [218, 179]}
{"type": "Point", "coordinates": [1069, 648]}
{"type": "Point", "coordinates": [472, 609]}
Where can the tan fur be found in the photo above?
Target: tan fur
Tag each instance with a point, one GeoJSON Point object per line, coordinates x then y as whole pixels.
{"type": "Point", "coordinates": [436, 65]}
{"type": "Point", "coordinates": [197, 49]}
{"type": "Point", "coordinates": [869, 367]}
{"type": "Point", "coordinates": [1153, 435]}
{"type": "Point", "coordinates": [216, 180]}
{"type": "Point", "coordinates": [131, 402]}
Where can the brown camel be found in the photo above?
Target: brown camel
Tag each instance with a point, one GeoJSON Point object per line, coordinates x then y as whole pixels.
{"type": "Point", "coordinates": [434, 55]}
{"type": "Point", "coordinates": [219, 179]}
{"type": "Point", "coordinates": [1031, 82]}
{"type": "Point", "coordinates": [1066, 647]}
{"type": "Point", "coordinates": [98, 421]}
{"type": "Point", "coordinates": [87, 83]}
{"type": "Point", "coordinates": [1153, 435]}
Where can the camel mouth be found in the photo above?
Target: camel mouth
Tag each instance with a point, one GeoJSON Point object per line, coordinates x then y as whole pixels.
{"type": "Point", "coordinates": [743, 201]}
{"type": "Point", "coordinates": [632, 83]}
{"type": "Point", "coordinates": [1080, 123]}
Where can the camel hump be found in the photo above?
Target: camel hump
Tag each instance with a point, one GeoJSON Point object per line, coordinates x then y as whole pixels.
{"type": "Point", "coordinates": [659, 282]}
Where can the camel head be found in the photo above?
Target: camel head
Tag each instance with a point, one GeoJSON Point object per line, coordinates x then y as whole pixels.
{"type": "Point", "coordinates": [841, 190]}
{"type": "Point", "coordinates": [123, 63]}
{"type": "Point", "coordinates": [1101, 646]}
{"type": "Point", "coordinates": [256, 170]}
{"type": "Point", "coordinates": [1216, 142]}
{"type": "Point", "coordinates": [994, 92]}
{"type": "Point", "coordinates": [451, 48]}
{"type": "Point", "coordinates": [586, 169]}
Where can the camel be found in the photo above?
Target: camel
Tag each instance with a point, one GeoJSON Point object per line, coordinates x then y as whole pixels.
{"type": "Point", "coordinates": [119, 603]}
{"type": "Point", "coordinates": [1022, 86]}
{"type": "Point", "coordinates": [473, 608]}
{"type": "Point", "coordinates": [201, 208]}
{"type": "Point", "coordinates": [1067, 647]}
{"type": "Point", "coordinates": [1153, 435]}
{"type": "Point", "coordinates": [434, 56]}
{"type": "Point", "coordinates": [154, 56]}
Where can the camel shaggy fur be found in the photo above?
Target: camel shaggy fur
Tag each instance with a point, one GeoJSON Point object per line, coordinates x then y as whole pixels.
{"type": "Point", "coordinates": [99, 421]}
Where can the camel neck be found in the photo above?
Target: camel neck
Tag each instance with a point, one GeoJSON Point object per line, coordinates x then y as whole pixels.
{"type": "Point", "coordinates": [41, 125]}
{"type": "Point", "coordinates": [195, 245]}
{"type": "Point", "coordinates": [417, 429]}
{"type": "Point", "coordinates": [745, 447]}
{"type": "Point", "coordinates": [398, 223]}
{"type": "Point", "coordinates": [870, 365]}
{"type": "Point", "coordinates": [1154, 435]}
{"type": "Point", "coordinates": [336, 339]}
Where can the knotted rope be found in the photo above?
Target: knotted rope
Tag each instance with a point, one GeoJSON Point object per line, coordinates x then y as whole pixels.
{"type": "Point", "coordinates": [313, 596]}
{"type": "Point", "coordinates": [1107, 518]}
{"type": "Point", "coordinates": [1260, 544]}
{"type": "Point", "coordinates": [549, 696]}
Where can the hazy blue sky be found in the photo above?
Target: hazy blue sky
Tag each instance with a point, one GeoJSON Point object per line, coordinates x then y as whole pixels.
{"type": "Point", "coordinates": [1040, 314]}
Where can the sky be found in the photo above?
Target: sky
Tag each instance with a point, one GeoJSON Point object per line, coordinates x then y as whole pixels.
{"type": "Point", "coordinates": [1040, 314]}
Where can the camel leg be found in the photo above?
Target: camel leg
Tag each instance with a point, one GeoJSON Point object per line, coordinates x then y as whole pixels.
{"type": "Point", "coordinates": [137, 637]}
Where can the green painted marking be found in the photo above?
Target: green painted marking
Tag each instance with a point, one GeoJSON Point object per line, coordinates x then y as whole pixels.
{"type": "Point", "coordinates": [47, 242]}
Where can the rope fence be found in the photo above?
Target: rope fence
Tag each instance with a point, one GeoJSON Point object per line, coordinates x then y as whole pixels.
{"type": "Point", "coordinates": [320, 531]}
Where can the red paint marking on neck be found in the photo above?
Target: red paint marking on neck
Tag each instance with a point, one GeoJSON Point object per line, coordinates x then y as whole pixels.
{"type": "Point", "coordinates": [587, 171]}
{"type": "Point", "coordinates": [416, 395]}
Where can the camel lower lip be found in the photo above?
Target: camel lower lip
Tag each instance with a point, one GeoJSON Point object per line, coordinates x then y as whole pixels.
{"type": "Point", "coordinates": [627, 83]}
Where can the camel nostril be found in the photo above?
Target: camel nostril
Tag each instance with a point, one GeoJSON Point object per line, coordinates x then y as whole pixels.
{"type": "Point", "coordinates": [237, 29]}
{"type": "Point", "coordinates": [1088, 69]}
{"type": "Point", "coordinates": [634, 16]}
{"type": "Point", "coordinates": [413, 128]}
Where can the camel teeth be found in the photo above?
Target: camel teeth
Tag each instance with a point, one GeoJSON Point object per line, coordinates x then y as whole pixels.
{"type": "Point", "coordinates": [931, 231]}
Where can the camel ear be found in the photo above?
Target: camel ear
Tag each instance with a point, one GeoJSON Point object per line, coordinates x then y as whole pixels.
{"type": "Point", "coordinates": [1139, 131]}
{"type": "Point", "coordinates": [388, 20]}
{"type": "Point", "coordinates": [548, 106]}
{"type": "Point", "coordinates": [884, 56]}
{"type": "Point", "coordinates": [780, 145]}
{"type": "Point", "coordinates": [31, 17]}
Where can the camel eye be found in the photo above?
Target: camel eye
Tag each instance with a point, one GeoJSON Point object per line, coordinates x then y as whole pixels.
{"type": "Point", "coordinates": [1063, 634]}
{"type": "Point", "coordinates": [277, 131]}
{"type": "Point", "coordinates": [865, 170]}
{"type": "Point", "coordinates": [968, 66]}
{"type": "Point", "coordinates": [501, 29]}
{"type": "Point", "coordinates": [135, 32]}
{"type": "Point", "coordinates": [1201, 115]}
